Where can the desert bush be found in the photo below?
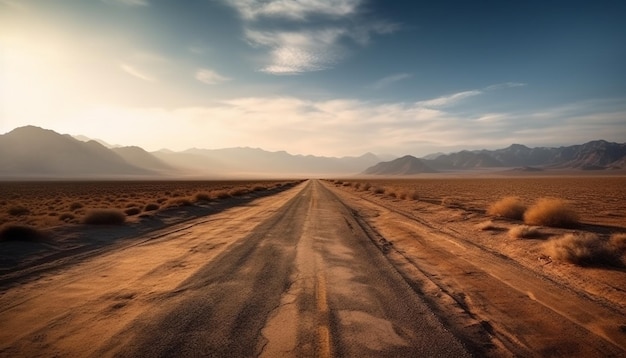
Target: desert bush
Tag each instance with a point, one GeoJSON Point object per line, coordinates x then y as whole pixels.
{"type": "Point", "coordinates": [357, 186]}
{"type": "Point", "coordinates": [14, 232]}
{"type": "Point", "coordinates": [486, 225]}
{"type": "Point", "coordinates": [367, 186]}
{"type": "Point", "coordinates": [583, 249]}
{"type": "Point", "coordinates": [18, 210]}
{"type": "Point", "coordinates": [66, 217]}
{"type": "Point", "coordinates": [524, 232]}
{"type": "Point", "coordinates": [392, 194]}
{"type": "Point", "coordinates": [104, 217]}
{"type": "Point", "coordinates": [258, 188]}
{"type": "Point", "coordinates": [413, 195]}
{"type": "Point", "coordinates": [177, 202]}
{"type": "Point", "coordinates": [238, 192]}
{"type": "Point", "coordinates": [202, 196]}
{"type": "Point", "coordinates": [551, 212]}
{"type": "Point", "coordinates": [618, 242]}
{"type": "Point", "coordinates": [338, 182]}
{"type": "Point", "coordinates": [75, 206]}
{"type": "Point", "coordinates": [151, 207]}
{"type": "Point", "coordinates": [161, 200]}
{"type": "Point", "coordinates": [347, 184]}
{"type": "Point", "coordinates": [221, 194]}
{"type": "Point", "coordinates": [378, 190]}
{"type": "Point", "coordinates": [132, 211]}
{"type": "Point", "coordinates": [508, 207]}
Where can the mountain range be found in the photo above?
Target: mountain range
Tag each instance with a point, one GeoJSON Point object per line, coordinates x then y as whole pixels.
{"type": "Point", "coordinates": [594, 155]}
{"type": "Point", "coordinates": [34, 153]}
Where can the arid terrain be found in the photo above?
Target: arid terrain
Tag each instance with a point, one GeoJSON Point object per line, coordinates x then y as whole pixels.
{"type": "Point", "coordinates": [420, 267]}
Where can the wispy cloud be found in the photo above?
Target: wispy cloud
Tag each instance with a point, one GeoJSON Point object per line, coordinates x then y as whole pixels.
{"type": "Point", "coordinates": [296, 52]}
{"type": "Point", "coordinates": [505, 85]}
{"type": "Point", "coordinates": [294, 9]}
{"type": "Point", "coordinates": [389, 80]}
{"type": "Point", "coordinates": [210, 77]}
{"type": "Point", "coordinates": [312, 36]}
{"type": "Point", "coordinates": [128, 2]}
{"type": "Point", "coordinates": [445, 101]}
{"type": "Point", "coordinates": [136, 73]}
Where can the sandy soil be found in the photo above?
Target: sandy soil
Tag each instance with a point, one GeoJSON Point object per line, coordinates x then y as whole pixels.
{"type": "Point", "coordinates": [529, 304]}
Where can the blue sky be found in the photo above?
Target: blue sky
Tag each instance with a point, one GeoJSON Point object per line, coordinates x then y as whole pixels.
{"type": "Point", "coordinates": [334, 77]}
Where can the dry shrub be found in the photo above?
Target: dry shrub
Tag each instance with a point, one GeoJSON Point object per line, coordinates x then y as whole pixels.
{"type": "Point", "coordinates": [357, 186]}
{"type": "Point", "coordinates": [238, 192]}
{"type": "Point", "coordinates": [14, 232]}
{"type": "Point", "coordinates": [508, 207]}
{"type": "Point", "coordinates": [75, 206]}
{"type": "Point", "coordinates": [378, 190]}
{"type": "Point", "coordinates": [524, 232]}
{"type": "Point", "coordinates": [151, 207]}
{"type": "Point", "coordinates": [551, 212]}
{"type": "Point", "coordinates": [347, 184]}
{"type": "Point", "coordinates": [583, 249]}
{"type": "Point", "coordinates": [618, 242]}
{"type": "Point", "coordinates": [259, 188]}
{"type": "Point", "coordinates": [66, 217]}
{"type": "Point", "coordinates": [367, 186]}
{"type": "Point", "coordinates": [104, 217]}
{"type": "Point", "coordinates": [132, 211]}
{"type": "Point", "coordinates": [486, 225]}
{"type": "Point", "coordinates": [177, 202]}
{"type": "Point", "coordinates": [221, 194]}
{"type": "Point", "coordinates": [18, 210]}
{"type": "Point", "coordinates": [202, 196]}
{"type": "Point", "coordinates": [339, 182]}
{"type": "Point", "coordinates": [392, 194]}
{"type": "Point", "coordinates": [161, 200]}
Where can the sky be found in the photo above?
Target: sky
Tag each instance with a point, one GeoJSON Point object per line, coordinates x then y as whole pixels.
{"type": "Point", "coordinates": [321, 77]}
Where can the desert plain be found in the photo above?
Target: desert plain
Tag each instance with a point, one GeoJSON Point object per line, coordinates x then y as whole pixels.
{"type": "Point", "coordinates": [337, 267]}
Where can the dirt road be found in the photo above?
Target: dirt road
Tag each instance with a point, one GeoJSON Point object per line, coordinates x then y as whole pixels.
{"type": "Point", "coordinates": [289, 275]}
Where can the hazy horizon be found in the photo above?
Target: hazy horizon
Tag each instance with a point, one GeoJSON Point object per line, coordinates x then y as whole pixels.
{"type": "Point", "coordinates": [326, 78]}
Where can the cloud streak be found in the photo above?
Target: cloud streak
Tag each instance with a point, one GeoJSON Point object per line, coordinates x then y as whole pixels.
{"type": "Point", "coordinates": [210, 77]}
{"type": "Point", "coordinates": [389, 80]}
{"type": "Point", "coordinates": [294, 9]}
{"type": "Point", "coordinates": [136, 73]}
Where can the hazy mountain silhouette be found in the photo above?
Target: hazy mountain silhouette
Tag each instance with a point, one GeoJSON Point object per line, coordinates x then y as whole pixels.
{"type": "Point", "coordinates": [594, 155]}
{"type": "Point", "coordinates": [406, 165]}
{"type": "Point", "coordinates": [35, 152]}
{"type": "Point", "coordinates": [140, 158]}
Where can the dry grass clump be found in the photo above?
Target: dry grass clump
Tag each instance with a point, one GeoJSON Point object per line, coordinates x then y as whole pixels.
{"type": "Point", "coordinates": [551, 212]}
{"type": "Point", "coordinates": [14, 232]}
{"type": "Point", "coordinates": [238, 191]}
{"type": "Point", "coordinates": [132, 211]}
{"type": "Point", "coordinates": [378, 190]}
{"type": "Point", "coordinates": [75, 206]}
{"type": "Point", "coordinates": [259, 188]}
{"type": "Point", "coordinates": [508, 207]}
{"type": "Point", "coordinates": [583, 249]}
{"type": "Point", "coordinates": [104, 217]}
{"type": "Point", "coordinates": [178, 202]}
{"type": "Point", "coordinates": [618, 242]}
{"type": "Point", "coordinates": [524, 232]}
{"type": "Point", "coordinates": [357, 186]}
{"type": "Point", "coordinates": [151, 207]}
{"type": "Point", "coordinates": [221, 194]}
{"type": "Point", "coordinates": [202, 196]}
{"type": "Point", "coordinates": [366, 186]}
{"type": "Point", "coordinates": [486, 225]}
{"type": "Point", "coordinates": [18, 210]}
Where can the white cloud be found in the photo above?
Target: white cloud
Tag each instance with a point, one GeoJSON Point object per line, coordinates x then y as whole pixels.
{"type": "Point", "coordinates": [136, 73]}
{"type": "Point", "coordinates": [293, 9]}
{"type": "Point", "coordinates": [300, 45]}
{"type": "Point", "coordinates": [296, 52]}
{"type": "Point", "coordinates": [505, 85]}
{"type": "Point", "coordinates": [210, 77]}
{"type": "Point", "coordinates": [448, 100]}
{"type": "Point", "coordinates": [386, 81]}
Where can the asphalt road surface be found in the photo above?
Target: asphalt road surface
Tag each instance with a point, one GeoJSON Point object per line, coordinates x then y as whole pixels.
{"type": "Point", "coordinates": [298, 277]}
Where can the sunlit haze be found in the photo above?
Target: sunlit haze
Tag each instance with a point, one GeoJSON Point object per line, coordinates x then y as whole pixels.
{"type": "Point", "coordinates": [334, 77]}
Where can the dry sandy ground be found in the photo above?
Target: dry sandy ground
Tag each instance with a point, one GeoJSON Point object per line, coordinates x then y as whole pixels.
{"type": "Point", "coordinates": [318, 270]}
{"type": "Point", "coordinates": [529, 304]}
